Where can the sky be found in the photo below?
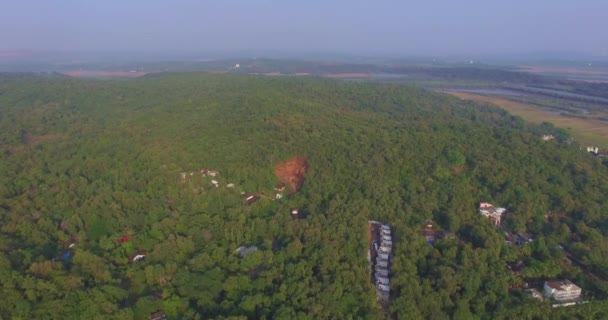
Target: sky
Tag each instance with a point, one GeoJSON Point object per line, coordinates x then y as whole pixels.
{"type": "Point", "coordinates": [433, 27]}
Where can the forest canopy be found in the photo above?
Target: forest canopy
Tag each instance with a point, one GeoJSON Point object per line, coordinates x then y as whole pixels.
{"type": "Point", "coordinates": [108, 208]}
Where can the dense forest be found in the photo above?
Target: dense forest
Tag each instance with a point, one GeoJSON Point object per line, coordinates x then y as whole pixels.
{"type": "Point", "coordinates": [91, 177]}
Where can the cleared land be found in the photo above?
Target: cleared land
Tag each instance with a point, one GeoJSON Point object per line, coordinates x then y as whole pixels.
{"type": "Point", "coordinates": [579, 73]}
{"type": "Point", "coordinates": [104, 73]}
{"type": "Point", "coordinates": [583, 130]}
{"type": "Point", "coordinates": [347, 75]}
{"type": "Point", "coordinates": [292, 172]}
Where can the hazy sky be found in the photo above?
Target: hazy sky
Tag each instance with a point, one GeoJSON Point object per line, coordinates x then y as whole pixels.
{"type": "Point", "coordinates": [340, 26]}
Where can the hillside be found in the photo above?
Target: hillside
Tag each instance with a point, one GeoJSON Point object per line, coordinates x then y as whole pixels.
{"type": "Point", "coordinates": [115, 167]}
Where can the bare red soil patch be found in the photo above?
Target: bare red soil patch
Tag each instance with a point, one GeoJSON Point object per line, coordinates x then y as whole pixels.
{"type": "Point", "coordinates": [292, 172]}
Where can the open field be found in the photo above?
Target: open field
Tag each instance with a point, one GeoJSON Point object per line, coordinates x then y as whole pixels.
{"type": "Point", "coordinates": [584, 131]}
{"type": "Point", "coordinates": [576, 73]}
{"type": "Point", "coordinates": [104, 73]}
{"type": "Point", "coordinates": [347, 75]}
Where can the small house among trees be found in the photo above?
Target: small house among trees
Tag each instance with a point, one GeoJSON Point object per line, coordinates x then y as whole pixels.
{"type": "Point", "coordinates": [524, 237]}
{"type": "Point", "coordinates": [296, 214]}
{"type": "Point", "coordinates": [489, 211]}
{"type": "Point", "coordinates": [548, 137]}
{"type": "Point", "coordinates": [243, 251]}
{"type": "Point", "coordinates": [250, 198]}
{"type": "Point", "coordinates": [429, 232]}
{"type": "Point", "coordinates": [534, 293]}
{"type": "Point", "coordinates": [158, 315]}
{"type": "Point", "coordinates": [70, 243]}
{"type": "Point", "coordinates": [137, 256]}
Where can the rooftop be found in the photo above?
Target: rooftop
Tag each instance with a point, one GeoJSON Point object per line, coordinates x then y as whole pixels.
{"type": "Point", "coordinates": [139, 255]}
{"type": "Point", "coordinates": [296, 213]}
{"type": "Point", "coordinates": [158, 315]}
{"type": "Point", "coordinates": [243, 251]}
{"type": "Point", "coordinates": [250, 197]}
{"type": "Point", "coordinates": [561, 285]}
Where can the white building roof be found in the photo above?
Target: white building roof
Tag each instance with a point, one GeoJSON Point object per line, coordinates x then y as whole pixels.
{"type": "Point", "coordinates": [562, 285]}
{"type": "Point", "coordinates": [382, 287]}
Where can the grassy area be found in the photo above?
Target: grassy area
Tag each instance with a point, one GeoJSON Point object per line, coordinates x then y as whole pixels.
{"type": "Point", "coordinates": [584, 131]}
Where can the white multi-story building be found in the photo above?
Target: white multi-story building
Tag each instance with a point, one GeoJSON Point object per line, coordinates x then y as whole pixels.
{"type": "Point", "coordinates": [562, 290]}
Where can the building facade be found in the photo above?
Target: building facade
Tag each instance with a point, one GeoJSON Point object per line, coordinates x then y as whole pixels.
{"type": "Point", "coordinates": [562, 290]}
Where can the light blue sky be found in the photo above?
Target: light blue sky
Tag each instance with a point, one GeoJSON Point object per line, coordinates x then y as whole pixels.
{"type": "Point", "coordinates": [346, 26]}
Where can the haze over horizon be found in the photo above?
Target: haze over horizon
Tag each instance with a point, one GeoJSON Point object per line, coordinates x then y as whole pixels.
{"type": "Point", "coordinates": [355, 27]}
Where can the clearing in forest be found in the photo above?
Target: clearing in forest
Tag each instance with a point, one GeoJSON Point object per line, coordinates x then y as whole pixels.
{"type": "Point", "coordinates": [292, 171]}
